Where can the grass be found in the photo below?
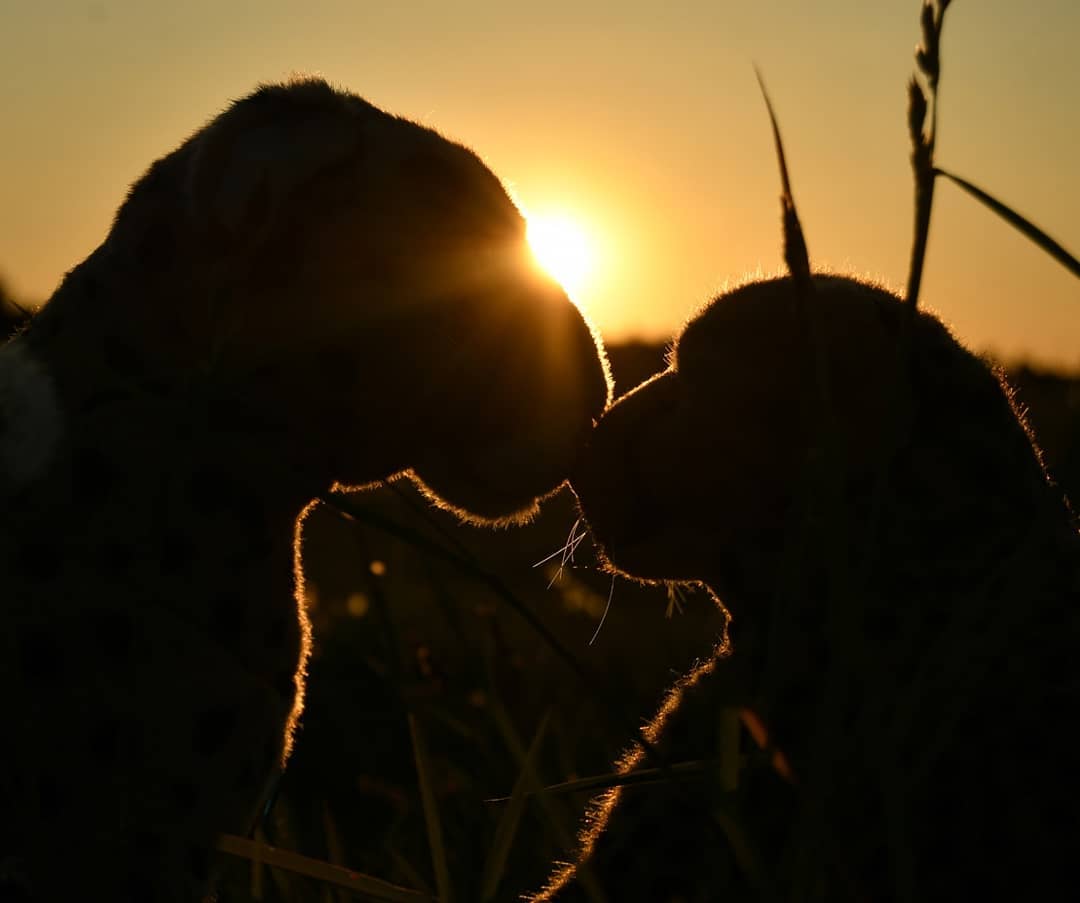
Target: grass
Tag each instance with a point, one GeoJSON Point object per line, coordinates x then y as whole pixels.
{"type": "Point", "coordinates": [411, 780]}
{"type": "Point", "coordinates": [477, 678]}
{"type": "Point", "coordinates": [490, 825]}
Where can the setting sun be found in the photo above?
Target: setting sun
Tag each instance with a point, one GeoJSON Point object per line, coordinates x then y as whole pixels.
{"type": "Point", "coordinates": [563, 249]}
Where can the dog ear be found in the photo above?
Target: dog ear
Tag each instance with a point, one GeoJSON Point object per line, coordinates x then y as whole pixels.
{"type": "Point", "coordinates": [250, 160]}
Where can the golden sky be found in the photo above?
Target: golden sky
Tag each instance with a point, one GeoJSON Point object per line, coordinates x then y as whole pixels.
{"type": "Point", "coordinates": [640, 121]}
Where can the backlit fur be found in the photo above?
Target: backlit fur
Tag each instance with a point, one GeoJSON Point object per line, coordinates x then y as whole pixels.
{"type": "Point", "coordinates": [308, 292]}
{"type": "Point", "coordinates": [904, 588]}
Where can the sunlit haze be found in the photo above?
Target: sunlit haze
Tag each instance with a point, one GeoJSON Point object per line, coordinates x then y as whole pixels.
{"type": "Point", "coordinates": [562, 247]}
{"type": "Point", "coordinates": [639, 124]}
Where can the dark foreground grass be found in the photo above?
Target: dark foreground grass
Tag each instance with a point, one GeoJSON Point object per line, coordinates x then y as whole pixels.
{"type": "Point", "coordinates": [459, 716]}
{"type": "Point", "coordinates": [420, 643]}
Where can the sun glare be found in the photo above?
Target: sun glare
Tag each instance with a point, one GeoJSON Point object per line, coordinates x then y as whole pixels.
{"type": "Point", "coordinates": [563, 249]}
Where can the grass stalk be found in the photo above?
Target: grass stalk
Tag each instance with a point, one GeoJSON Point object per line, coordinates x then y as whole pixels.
{"type": "Point", "coordinates": [431, 812]}
{"type": "Point", "coordinates": [923, 140]}
{"type": "Point", "coordinates": [495, 864]}
{"type": "Point", "coordinates": [361, 885]}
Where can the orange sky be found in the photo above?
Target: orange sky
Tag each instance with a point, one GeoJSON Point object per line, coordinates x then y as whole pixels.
{"type": "Point", "coordinates": [641, 120]}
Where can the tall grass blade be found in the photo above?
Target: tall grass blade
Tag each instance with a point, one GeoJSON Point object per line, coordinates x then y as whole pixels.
{"type": "Point", "coordinates": [362, 885]}
{"type": "Point", "coordinates": [595, 783]}
{"type": "Point", "coordinates": [431, 812]}
{"type": "Point", "coordinates": [554, 815]}
{"type": "Point", "coordinates": [257, 866]}
{"type": "Point", "coordinates": [1018, 222]}
{"type": "Point", "coordinates": [796, 255]}
{"type": "Point", "coordinates": [335, 848]}
{"type": "Point", "coordinates": [728, 731]}
{"type": "Point", "coordinates": [495, 866]}
{"type": "Point", "coordinates": [410, 872]}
